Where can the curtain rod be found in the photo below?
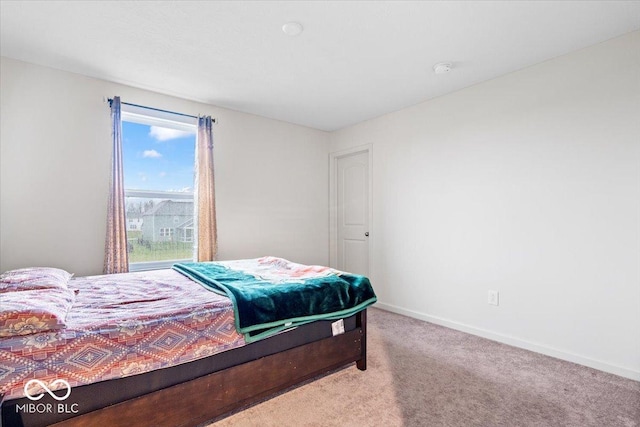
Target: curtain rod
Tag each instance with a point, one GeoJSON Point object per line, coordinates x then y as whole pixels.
{"type": "Point", "coordinates": [110, 100]}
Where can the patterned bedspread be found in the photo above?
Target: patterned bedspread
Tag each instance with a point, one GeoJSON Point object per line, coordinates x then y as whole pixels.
{"type": "Point", "coordinates": [122, 325]}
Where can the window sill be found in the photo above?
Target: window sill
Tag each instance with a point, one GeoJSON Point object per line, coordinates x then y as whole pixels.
{"type": "Point", "coordinates": [154, 265]}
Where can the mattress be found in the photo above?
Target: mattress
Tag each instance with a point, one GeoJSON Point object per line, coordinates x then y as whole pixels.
{"type": "Point", "coordinates": [119, 326]}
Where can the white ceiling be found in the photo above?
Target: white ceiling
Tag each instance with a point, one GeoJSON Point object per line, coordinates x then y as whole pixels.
{"type": "Point", "coordinates": [354, 61]}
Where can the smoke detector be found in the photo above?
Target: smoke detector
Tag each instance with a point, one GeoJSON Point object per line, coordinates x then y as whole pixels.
{"type": "Point", "coordinates": [442, 68]}
{"type": "Point", "coordinates": [292, 28]}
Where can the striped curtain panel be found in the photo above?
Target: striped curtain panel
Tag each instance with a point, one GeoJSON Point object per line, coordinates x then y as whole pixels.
{"type": "Point", "coordinates": [205, 195]}
{"type": "Point", "coordinates": [116, 258]}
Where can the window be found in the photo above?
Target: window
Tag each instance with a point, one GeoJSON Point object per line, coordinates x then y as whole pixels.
{"type": "Point", "coordinates": [158, 151]}
{"type": "Point", "coordinates": [166, 232]}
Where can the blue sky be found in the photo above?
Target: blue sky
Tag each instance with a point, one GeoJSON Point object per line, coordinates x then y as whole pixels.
{"type": "Point", "coordinates": [157, 158]}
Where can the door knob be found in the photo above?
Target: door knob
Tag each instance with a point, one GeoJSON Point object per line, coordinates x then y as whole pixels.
{"type": "Point", "coordinates": [366, 234]}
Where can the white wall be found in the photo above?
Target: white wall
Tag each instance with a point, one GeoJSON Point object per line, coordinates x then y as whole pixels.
{"type": "Point", "coordinates": [528, 184]}
{"type": "Point", "coordinates": [271, 176]}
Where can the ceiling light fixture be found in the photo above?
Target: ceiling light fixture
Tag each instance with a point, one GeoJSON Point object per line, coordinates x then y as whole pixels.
{"type": "Point", "coordinates": [442, 68]}
{"type": "Point", "coordinates": [292, 29]}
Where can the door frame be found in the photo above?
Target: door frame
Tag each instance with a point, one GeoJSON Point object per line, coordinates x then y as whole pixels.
{"type": "Point", "coordinates": [333, 201]}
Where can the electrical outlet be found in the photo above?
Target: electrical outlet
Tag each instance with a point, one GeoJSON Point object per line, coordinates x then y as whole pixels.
{"type": "Point", "coordinates": [493, 297]}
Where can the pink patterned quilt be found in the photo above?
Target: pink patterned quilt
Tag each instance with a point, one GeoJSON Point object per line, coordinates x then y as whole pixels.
{"type": "Point", "coordinates": [122, 325]}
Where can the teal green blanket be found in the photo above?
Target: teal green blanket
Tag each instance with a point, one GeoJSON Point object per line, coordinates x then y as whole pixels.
{"type": "Point", "coordinates": [272, 294]}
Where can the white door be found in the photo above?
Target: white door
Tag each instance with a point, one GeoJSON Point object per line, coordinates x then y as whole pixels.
{"type": "Point", "coordinates": [352, 182]}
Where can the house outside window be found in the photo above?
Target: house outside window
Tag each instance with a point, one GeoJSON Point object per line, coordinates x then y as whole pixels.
{"type": "Point", "coordinates": [159, 158]}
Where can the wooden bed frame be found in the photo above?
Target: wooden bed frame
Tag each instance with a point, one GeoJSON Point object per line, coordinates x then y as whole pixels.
{"type": "Point", "coordinates": [213, 395]}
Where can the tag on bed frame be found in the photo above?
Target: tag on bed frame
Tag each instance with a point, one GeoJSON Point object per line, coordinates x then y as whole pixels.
{"type": "Point", "coordinates": [337, 327]}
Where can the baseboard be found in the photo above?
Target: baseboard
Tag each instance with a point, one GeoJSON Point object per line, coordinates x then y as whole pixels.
{"type": "Point", "coordinates": [513, 341]}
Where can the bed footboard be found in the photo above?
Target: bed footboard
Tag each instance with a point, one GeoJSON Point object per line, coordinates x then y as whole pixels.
{"type": "Point", "coordinates": [361, 324]}
{"type": "Point", "coordinates": [202, 399]}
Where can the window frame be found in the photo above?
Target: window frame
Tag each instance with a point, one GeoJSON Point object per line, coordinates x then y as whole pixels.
{"type": "Point", "coordinates": [150, 117]}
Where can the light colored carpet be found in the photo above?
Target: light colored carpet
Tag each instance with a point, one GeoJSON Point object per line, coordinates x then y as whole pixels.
{"type": "Point", "coordinates": [420, 374]}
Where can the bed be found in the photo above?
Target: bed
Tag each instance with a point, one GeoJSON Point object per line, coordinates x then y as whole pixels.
{"type": "Point", "coordinates": [157, 348]}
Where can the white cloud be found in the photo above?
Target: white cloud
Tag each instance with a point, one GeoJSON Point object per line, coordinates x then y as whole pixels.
{"type": "Point", "coordinates": [165, 134]}
{"type": "Point", "coordinates": [142, 176]}
{"type": "Point", "coordinates": [162, 174]}
{"type": "Point", "coordinates": [151, 153]}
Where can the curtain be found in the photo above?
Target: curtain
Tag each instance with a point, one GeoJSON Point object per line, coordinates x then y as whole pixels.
{"type": "Point", "coordinates": [116, 258]}
{"type": "Point", "coordinates": [205, 197]}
